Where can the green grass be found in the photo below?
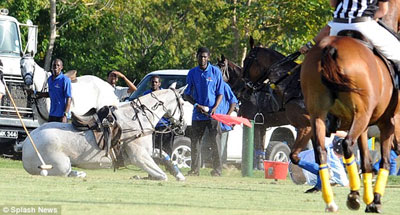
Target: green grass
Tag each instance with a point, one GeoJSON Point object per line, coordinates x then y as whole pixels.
{"type": "Point", "coordinates": [114, 193]}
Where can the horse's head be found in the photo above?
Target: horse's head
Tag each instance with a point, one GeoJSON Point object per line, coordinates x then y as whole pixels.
{"type": "Point", "coordinates": [258, 65]}
{"type": "Point", "coordinates": [35, 78]}
{"type": "Point", "coordinates": [223, 66]}
{"type": "Point", "coordinates": [265, 65]}
{"type": "Point", "coordinates": [176, 113]}
{"type": "Point", "coordinates": [232, 74]}
{"type": "Point", "coordinates": [27, 70]}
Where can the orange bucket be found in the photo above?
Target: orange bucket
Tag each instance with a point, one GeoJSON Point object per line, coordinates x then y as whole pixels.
{"type": "Point", "coordinates": [276, 169]}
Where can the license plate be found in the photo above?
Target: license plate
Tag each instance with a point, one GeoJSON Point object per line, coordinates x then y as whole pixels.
{"type": "Point", "coordinates": [9, 134]}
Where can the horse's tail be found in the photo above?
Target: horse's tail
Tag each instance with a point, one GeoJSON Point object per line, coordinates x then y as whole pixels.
{"type": "Point", "coordinates": [332, 75]}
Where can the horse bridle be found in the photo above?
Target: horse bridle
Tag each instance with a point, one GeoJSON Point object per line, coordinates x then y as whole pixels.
{"type": "Point", "coordinates": [224, 69]}
{"type": "Point", "coordinates": [32, 76]}
{"type": "Point", "coordinates": [267, 71]}
{"type": "Point", "coordinates": [176, 128]}
{"type": "Point", "coordinates": [27, 76]}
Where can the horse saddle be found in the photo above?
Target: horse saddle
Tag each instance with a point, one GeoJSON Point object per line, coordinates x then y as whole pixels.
{"type": "Point", "coordinates": [389, 64]}
{"type": "Point", "coordinates": [103, 125]}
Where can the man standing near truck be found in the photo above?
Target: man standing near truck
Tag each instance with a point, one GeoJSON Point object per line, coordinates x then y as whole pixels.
{"type": "Point", "coordinates": [59, 93]}
{"type": "Point", "coordinates": [205, 91]}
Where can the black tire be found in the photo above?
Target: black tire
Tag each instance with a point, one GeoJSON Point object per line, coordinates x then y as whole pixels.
{"type": "Point", "coordinates": [181, 152]}
{"type": "Point", "coordinates": [277, 151]}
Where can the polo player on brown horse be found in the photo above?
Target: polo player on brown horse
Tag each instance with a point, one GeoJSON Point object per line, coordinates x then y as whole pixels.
{"type": "Point", "coordinates": [343, 76]}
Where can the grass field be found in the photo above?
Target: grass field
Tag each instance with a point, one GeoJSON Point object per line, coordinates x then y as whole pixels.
{"type": "Point", "coordinates": [114, 193]}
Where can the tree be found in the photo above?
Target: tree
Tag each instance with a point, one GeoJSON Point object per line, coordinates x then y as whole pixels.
{"type": "Point", "coordinates": [139, 36]}
{"type": "Point", "coordinates": [53, 34]}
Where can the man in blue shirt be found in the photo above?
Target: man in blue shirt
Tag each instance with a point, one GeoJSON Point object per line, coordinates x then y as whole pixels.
{"type": "Point", "coordinates": [334, 151]}
{"type": "Point", "coordinates": [59, 93]}
{"type": "Point", "coordinates": [205, 91]}
{"type": "Point", "coordinates": [227, 106]}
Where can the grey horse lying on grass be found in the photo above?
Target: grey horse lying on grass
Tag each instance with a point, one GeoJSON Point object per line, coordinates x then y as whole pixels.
{"type": "Point", "coordinates": [62, 145]}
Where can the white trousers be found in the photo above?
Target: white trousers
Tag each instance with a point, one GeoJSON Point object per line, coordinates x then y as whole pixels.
{"type": "Point", "coordinates": [382, 39]}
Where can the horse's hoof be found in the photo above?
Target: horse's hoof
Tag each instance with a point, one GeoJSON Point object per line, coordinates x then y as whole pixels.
{"type": "Point", "coordinates": [180, 177]}
{"type": "Point", "coordinates": [373, 208]}
{"type": "Point", "coordinates": [135, 177]}
{"type": "Point", "coordinates": [331, 207]}
{"type": "Point", "coordinates": [353, 201]}
{"type": "Point", "coordinates": [77, 174]}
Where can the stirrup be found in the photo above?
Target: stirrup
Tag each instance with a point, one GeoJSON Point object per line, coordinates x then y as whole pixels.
{"type": "Point", "coordinates": [256, 117]}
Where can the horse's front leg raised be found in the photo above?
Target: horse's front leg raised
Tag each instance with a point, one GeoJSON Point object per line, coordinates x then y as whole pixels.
{"type": "Point", "coordinates": [318, 128]}
{"type": "Point", "coordinates": [302, 138]}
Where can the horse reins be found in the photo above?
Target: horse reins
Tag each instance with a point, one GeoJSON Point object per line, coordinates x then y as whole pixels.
{"type": "Point", "coordinates": [137, 104]}
{"type": "Point", "coordinates": [268, 70]}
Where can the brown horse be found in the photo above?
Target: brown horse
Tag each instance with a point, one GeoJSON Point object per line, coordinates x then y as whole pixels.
{"type": "Point", "coordinates": [232, 74]}
{"type": "Point", "coordinates": [343, 77]}
{"type": "Point", "coordinates": [271, 74]}
{"type": "Point", "coordinates": [254, 104]}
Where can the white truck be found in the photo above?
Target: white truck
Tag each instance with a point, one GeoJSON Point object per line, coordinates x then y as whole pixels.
{"type": "Point", "coordinates": [12, 49]}
{"type": "Point", "coordinates": [276, 141]}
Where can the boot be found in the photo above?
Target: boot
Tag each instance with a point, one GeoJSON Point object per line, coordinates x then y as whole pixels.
{"type": "Point", "coordinates": [259, 160]}
{"type": "Point", "coordinates": [173, 169]}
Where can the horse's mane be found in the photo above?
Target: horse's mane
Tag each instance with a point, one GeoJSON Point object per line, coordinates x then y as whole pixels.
{"type": "Point", "coordinates": [271, 53]}
{"type": "Point", "coordinates": [268, 50]}
{"type": "Point", "coordinates": [234, 65]}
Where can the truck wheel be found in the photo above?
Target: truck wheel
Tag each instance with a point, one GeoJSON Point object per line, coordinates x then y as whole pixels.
{"type": "Point", "coordinates": [181, 152]}
{"type": "Point", "coordinates": [277, 151]}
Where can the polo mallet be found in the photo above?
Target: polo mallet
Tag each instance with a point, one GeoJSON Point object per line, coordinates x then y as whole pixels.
{"type": "Point", "coordinates": [44, 167]}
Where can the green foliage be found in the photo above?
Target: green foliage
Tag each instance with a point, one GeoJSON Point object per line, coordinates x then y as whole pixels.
{"type": "Point", "coordinates": [139, 36]}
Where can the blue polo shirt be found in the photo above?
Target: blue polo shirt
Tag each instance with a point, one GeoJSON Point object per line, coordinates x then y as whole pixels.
{"type": "Point", "coordinates": [227, 100]}
{"type": "Point", "coordinates": [59, 91]}
{"type": "Point", "coordinates": [163, 121]}
{"type": "Point", "coordinates": [204, 87]}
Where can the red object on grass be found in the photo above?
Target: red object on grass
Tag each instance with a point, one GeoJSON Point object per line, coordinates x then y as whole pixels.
{"type": "Point", "coordinates": [231, 120]}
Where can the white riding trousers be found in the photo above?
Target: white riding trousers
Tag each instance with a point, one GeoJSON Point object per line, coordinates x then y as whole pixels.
{"type": "Point", "coordinates": [382, 39]}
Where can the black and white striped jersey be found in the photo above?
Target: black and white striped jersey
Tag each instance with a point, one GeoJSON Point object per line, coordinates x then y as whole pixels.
{"type": "Point", "coordinates": [356, 8]}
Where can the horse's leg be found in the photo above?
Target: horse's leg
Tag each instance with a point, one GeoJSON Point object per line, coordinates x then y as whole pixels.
{"type": "Point", "coordinates": [387, 130]}
{"type": "Point", "coordinates": [302, 138]}
{"type": "Point", "coordinates": [299, 118]}
{"type": "Point", "coordinates": [366, 168]}
{"type": "Point", "coordinates": [396, 142]}
{"type": "Point", "coordinates": [165, 160]}
{"type": "Point", "coordinates": [259, 146]}
{"type": "Point", "coordinates": [139, 155]}
{"type": "Point", "coordinates": [357, 129]}
{"type": "Point", "coordinates": [61, 164]}
{"type": "Point", "coordinates": [318, 128]}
